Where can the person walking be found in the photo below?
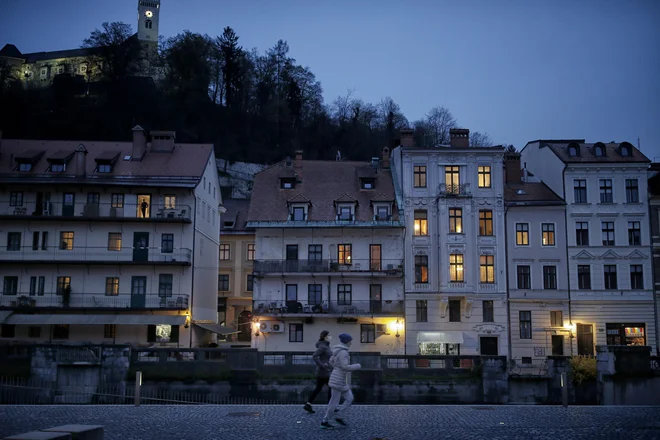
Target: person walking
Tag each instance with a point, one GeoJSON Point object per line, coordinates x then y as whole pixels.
{"type": "Point", "coordinates": [340, 380]}
{"type": "Point", "coordinates": [321, 358]}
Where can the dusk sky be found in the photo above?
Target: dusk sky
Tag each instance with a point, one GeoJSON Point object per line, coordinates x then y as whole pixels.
{"type": "Point", "coordinates": [518, 70]}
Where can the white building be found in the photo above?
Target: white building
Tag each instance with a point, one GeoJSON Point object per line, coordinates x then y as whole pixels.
{"type": "Point", "coordinates": [108, 242]}
{"type": "Point", "coordinates": [329, 255]}
{"type": "Point", "coordinates": [609, 254]}
{"type": "Point", "coordinates": [537, 267]}
{"type": "Point", "coordinates": [455, 280]}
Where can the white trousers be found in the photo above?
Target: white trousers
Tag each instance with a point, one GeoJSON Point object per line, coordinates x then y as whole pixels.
{"type": "Point", "coordinates": [334, 402]}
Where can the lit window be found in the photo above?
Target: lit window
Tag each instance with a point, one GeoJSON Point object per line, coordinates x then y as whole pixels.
{"type": "Point", "coordinates": [456, 220]}
{"type": "Point", "coordinates": [419, 174]}
{"type": "Point", "coordinates": [548, 232]}
{"type": "Point", "coordinates": [421, 223]}
{"type": "Point", "coordinates": [170, 202]}
{"type": "Point", "coordinates": [487, 269]}
{"type": "Point", "coordinates": [486, 222]}
{"type": "Point", "coordinates": [456, 268]}
{"type": "Point", "coordinates": [522, 234]}
{"type": "Point", "coordinates": [344, 253]}
{"type": "Point", "coordinates": [484, 177]}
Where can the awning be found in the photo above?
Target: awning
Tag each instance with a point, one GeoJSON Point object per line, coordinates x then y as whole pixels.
{"type": "Point", "coordinates": [440, 337]}
{"type": "Point", "coordinates": [4, 314]}
{"type": "Point", "coordinates": [216, 328]}
{"type": "Point", "coordinates": [96, 319]}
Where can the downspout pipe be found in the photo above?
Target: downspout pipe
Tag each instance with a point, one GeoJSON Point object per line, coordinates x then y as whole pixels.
{"type": "Point", "coordinates": [192, 286]}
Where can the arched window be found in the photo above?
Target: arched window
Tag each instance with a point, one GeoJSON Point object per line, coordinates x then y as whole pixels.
{"type": "Point", "coordinates": [599, 149]}
{"type": "Point", "coordinates": [572, 151]}
{"type": "Point", "coordinates": [147, 24]}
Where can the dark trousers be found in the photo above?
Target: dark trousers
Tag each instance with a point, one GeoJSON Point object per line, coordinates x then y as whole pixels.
{"type": "Point", "coordinates": [320, 381]}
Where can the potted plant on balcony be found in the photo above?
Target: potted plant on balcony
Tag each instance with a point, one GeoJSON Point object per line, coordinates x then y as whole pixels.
{"type": "Point", "coordinates": [66, 296]}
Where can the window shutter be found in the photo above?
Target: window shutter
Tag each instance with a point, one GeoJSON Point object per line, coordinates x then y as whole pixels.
{"type": "Point", "coordinates": [174, 336]}
{"type": "Point", "coordinates": [151, 333]}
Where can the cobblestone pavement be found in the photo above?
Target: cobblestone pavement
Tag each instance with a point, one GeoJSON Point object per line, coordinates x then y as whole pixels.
{"type": "Point", "coordinates": [236, 422]}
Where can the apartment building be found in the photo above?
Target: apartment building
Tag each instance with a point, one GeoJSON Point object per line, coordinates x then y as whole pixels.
{"type": "Point", "coordinates": [535, 219]}
{"type": "Point", "coordinates": [109, 242]}
{"type": "Point", "coordinates": [235, 280]}
{"type": "Point", "coordinates": [654, 216]}
{"type": "Point", "coordinates": [609, 244]}
{"type": "Point", "coordinates": [455, 284]}
{"type": "Point", "coordinates": [329, 255]}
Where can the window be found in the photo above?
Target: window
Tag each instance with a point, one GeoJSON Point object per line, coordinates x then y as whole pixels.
{"type": "Point", "coordinates": [225, 249]}
{"type": "Point", "coordinates": [344, 294]}
{"type": "Point", "coordinates": [165, 281]}
{"type": "Point", "coordinates": [104, 168]}
{"type": "Point", "coordinates": [315, 252]}
{"type": "Point", "coordinates": [295, 333]}
{"type": "Point", "coordinates": [93, 198]}
{"type": "Point", "coordinates": [421, 269]}
{"type": "Point", "coordinates": [66, 241]}
{"type": "Point", "coordinates": [251, 252]}
{"type": "Point", "coordinates": [170, 202]}
{"type": "Point", "coordinates": [314, 294]}
{"type": "Point", "coordinates": [636, 277]}
{"type": "Point", "coordinates": [109, 331]}
{"type": "Point", "coordinates": [548, 234]}
{"type": "Point", "coordinates": [148, 24]}
{"type": "Point", "coordinates": [10, 286]}
{"type": "Point", "coordinates": [117, 201]}
{"type": "Point", "coordinates": [223, 283]}
{"type": "Point", "coordinates": [57, 168]}
{"type": "Point", "coordinates": [368, 333]}
{"type": "Point", "coordinates": [610, 276]}
{"type": "Point", "coordinates": [61, 331]}
{"type": "Point", "coordinates": [383, 213]}
{"type": "Point", "coordinates": [112, 286]}
{"type": "Point", "coordinates": [580, 190]}
{"type": "Point", "coordinates": [582, 234]}
{"type": "Point", "coordinates": [167, 243]}
{"type": "Point", "coordinates": [63, 284]}
{"type": "Point", "coordinates": [13, 241]}
{"type": "Point", "coordinates": [7, 331]}
{"type": "Point", "coordinates": [34, 331]}
{"type": "Point", "coordinates": [556, 318]}
{"type": "Point", "coordinates": [16, 198]}
{"type": "Point", "coordinates": [287, 183]}
{"type": "Point", "coordinates": [525, 318]}
{"type": "Point", "coordinates": [584, 277]}
{"type": "Point", "coordinates": [456, 274]}
{"type": "Point", "coordinates": [83, 69]}
{"type": "Point", "coordinates": [632, 191]}
{"type": "Point", "coordinates": [608, 233]}
{"type": "Point", "coordinates": [367, 183]}
{"type": "Point", "coordinates": [421, 223]}
{"type": "Point", "coordinates": [345, 213]}
{"type": "Point", "coordinates": [598, 151]}
{"type": "Point", "coordinates": [605, 190]}
{"type": "Point", "coordinates": [634, 234]}
{"type": "Point", "coordinates": [572, 151]}
{"type": "Point", "coordinates": [452, 179]}
{"type": "Point", "coordinates": [484, 177]}
{"type": "Point", "coordinates": [114, 241]}
{"type": "Point", "coordinates": [250, 283]}
{"type": "Point", "coordinates": [291, 292]}
{"type": "Point", "coordinates": [524, 277]}
{"type": "Point", "coordinates": [487, 269]}
{"type": "Point", "coordinates": [625, 150]}
{"type": "Point", "coordinates": [522, 234]}
{"type": "Point", "coordinates": [454, 310]}
{"type": "Point", "coordinates": [488, 310]}
{"type": "Point", "coordinates": [419, 173]}
{"type": "Point", "coordinates": [344, 253]}
{"type": "Point", "coordinates": [298, 214]}
{"type": "Point", "coordinates": [456, 220]}
{"type": "Point", "coordinates": [421, 307]}
{"type": "Point", "coordinates": [550, 277]}
{"type": "Point", "coordinates": [485, 222]}
{"type": "Point", "coordinates": [37, 285]}
{"type": "Point", "coordinates": [23, 166]}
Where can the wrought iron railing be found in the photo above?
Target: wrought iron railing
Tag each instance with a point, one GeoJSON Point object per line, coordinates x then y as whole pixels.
{"type": "Point", "coordinates": [154, 211]}
{"type": "Point", "coordinates": [174, 301]}
{"type": "Point", "coordinates": [344, 308]}
{"type": "Point", "coordinates": [66, 253]}
{"type": "Point", "coordinates": [449, 189]}
{"type": "Point", "coordinates": [392, 267]}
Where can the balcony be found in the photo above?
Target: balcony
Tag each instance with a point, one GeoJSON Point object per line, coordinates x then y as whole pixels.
{"type": "Point", "coordinates": [329, 308]}
{"type": "Point", "coordinates": [454, 190]}
{"type": "Point", "coordinates": [95, 255]}
{"type": "Point", "coordinates": [128, 212]}
{"type": "Point", "coordinates": [86, 300]}
{"type": "Point", "coordinates": [392, 267]}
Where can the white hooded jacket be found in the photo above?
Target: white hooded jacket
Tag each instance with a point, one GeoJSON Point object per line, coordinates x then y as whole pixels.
{"type": "Point", "coordinates": [340, 377]}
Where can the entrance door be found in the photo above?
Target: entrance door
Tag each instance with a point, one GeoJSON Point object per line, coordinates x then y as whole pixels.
{"type": "Point", "coordinates": [138, 292]}
{"type": "Point", "coordinates": [488, 346]}
{"type": "Point", "coordinates": [375, 298]}
{"type": "Point", "coordinates": [291, 258]}
{"type": "Point", "coordinates": [585, 339]}
{"type": "Point", "coordinates": [68, 204]}
{"type": "Point", "coordinates": [140, 246]}
{"type": "Point", "coordinates": [375, 258]}
{"type": "Point", "coordinates": [557, 345]}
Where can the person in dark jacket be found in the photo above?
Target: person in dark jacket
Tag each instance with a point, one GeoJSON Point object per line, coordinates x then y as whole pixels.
{"type": "Point", "coordinates": [321, 358]}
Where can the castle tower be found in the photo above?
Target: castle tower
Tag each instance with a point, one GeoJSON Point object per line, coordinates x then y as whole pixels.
{"type": "Point", "coordinates": [148, 16]}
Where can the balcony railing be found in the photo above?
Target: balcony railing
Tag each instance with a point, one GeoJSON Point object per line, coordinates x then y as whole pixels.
{"type": "Point", "coordinates": [392, 267]}
{"type": "Point", "coordinates": [454, 190]}
{"type": "Point", "coordinates": [98, 211]}
{"type": "Point", "coordinates": [86, 300]}
{"type": "Point", "coordinates": [95, 255]}
{"type": "Point", "coordinates": [342, 308]}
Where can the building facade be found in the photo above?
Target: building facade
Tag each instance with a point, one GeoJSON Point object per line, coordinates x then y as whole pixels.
{"type": "Point", "coordinates": [455, 284]}
{"type": "Point", "coordinates": [537, 267]}
{"type": "Point", "coordinates": [654, 217]}
{"type": "Point", "coordinates": [329, 255]}
{"type": "Point", "coordinates": [109, 242]}
{"type": "Point", "coordinates": [608, 239]}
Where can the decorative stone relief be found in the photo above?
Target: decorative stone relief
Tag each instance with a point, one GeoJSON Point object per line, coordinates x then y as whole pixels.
{"type": "Point", "coordinates": [486, 251]}
{"type": "Point", "coordinates": [489, 328]}
{"type": "Point", "coordinates": [421, 251]}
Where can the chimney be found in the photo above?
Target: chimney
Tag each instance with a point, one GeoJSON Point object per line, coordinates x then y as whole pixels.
{"type": "Point", "coordinates": [297, 166]}
{"type": "Point", "coordinates": [512, 171]}
{"type": "Point", "coordinates": [81, 161]}
{"type": "Point", "coordinates": [162, 141]}
{"type": "Point", "coordinates": [386, 158]}
{"type": "Point", "coordinates": [406, 137]}
{"type": "Point", "coordinates": [139, 143]}
{"type": "Point", "coordinates": [459, 137]}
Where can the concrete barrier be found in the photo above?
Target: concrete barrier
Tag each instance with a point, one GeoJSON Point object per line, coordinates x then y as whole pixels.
{"type": "Point", "coordinates": [79, 432]}
{"type": "Point", "coordinates": [40, 435]}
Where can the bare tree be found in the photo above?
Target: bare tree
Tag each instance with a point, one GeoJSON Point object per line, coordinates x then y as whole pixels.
{"type": "Point", "coordinates": [478, 139]}
{"type": "Point", "coordinates": [114, 51]}
{"type": "Point", "coordinates": [438, 122]}
{"type": "Point", "coordinates": [341, 106]}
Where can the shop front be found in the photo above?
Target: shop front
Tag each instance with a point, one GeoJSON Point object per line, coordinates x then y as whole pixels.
{"type": "Point", "coordinates": [626, 334]}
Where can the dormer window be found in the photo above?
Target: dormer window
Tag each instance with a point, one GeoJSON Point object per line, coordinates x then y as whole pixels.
{"type": "Point", "coordinates": [345, 213]}
{"type": "Point", "coordinates": [368, 183]}
{"type": "Point", "coordinates": [287, 183]}
{"type": "Point", "coordinates": [58, 168]}
{"type": "Point", "coordinates": [625, 150]}
{"type": "Point", "coordinates": [599, 151]}
{"type": "Point", "coordinates": [298, 214]}
{"type": "Point", "coordinates": [382, 213]}
{"type": "Point", "coordinates": [25, 161]}
{"type": "Point", "coordinates": [104, 168]}
{"type": "Point", "coordinates": [106, 161]}
{"type": "Point", "coordinates": [58, 161]}
{"type": "Point", "coordinates": [572, 151]}
{"type": "Point", "coordinates": [24, 167]}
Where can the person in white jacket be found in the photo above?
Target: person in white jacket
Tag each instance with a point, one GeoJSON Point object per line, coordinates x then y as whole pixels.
{"type": "Point", "coordinates": [340, 381]}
